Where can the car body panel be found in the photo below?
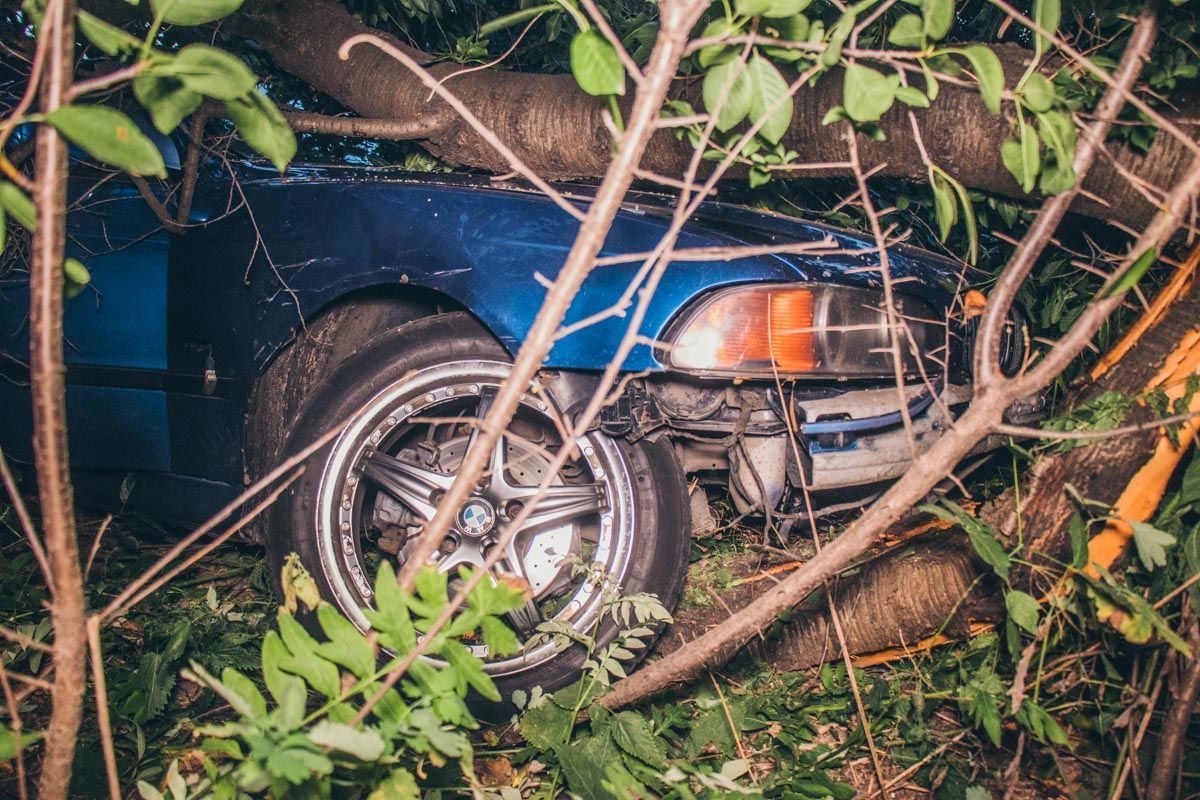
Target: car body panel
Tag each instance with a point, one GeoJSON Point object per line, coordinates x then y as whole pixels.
{"type": "Point", "coordinates": [175, 329]}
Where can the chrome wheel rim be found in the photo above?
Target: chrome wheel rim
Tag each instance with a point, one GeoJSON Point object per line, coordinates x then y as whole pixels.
{"type": "Point", "coordinates": [386, 472]}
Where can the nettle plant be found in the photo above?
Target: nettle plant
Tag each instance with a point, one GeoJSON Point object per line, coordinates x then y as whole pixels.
{"type": "Point", "coordinates": [285, 744]}
{"type": "Point", "coordinates": [742, 50]}
{"type": "Point", "coordinates": [169, 85]}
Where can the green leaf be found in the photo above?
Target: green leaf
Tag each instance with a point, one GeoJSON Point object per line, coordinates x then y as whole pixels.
{"type": "Point", "coordinates": [1132, 274]}
{"type": "Point", "coordinates": [939, 16]}
{"type": "Point", "coordinates": [193, 12]}
{"type": "Point", "coordinates": [297, 765]}
{"type": "Point", "coordinates": [8, 742]}
{"type": "Point", "coordinates": [398, 785]}
{"type": "Point", "coordinates": [110, 39]}
{"type": "Point", "coordinates": [244, 688]}
{"type": "Point", "coordinates": [364, 744]}
{"type": "Point", "coordinates": [912, 96]}
{"type": "Point", "coordinates": [631, 733]}
{"type": "Point", "coordinates": [1046, 15]}
{"type": "Point", "coordinates": [499, 638]}
{"type": "Point", "coordinates": [1151, 544]}
{"type": "Point", "coordinates": [1057, 130]}
{"type": "Point", "coordinates": [727, 87]}
{"type": "Point", "coordinates": [210, 71]}
{"type": "Point", "coordinates": [109, 136]}
{"type": "Point", "coordinates": [769, 98]}
{"type": "Point", "coordinates": [18, 205]}
{"type": "Point", "coordinates": [263, 127]}
{"type": "Point", "coordinates": [1191, 557]}
{"type": "Point", "coordinates": [1189, 487]}
{"type": "Point", "coordinates": [595, 64]}
{"type": "Point", "coordinates": [302, 658]}
{"type": "Point", "coordinates": [1038, 92]}
{"type": "Point", "coordinates": [770, 8]}
{"type": "Point", "coordinates": [718, 53]}
{"type": "Point", "coordinates": [1022, 157]}
{"type": "Point", "coordinates": [909, 31]}
{"type": "Point", "coordinates": [148, 792]}
{"type": "Point", "coordinates": [167, 99]}
{"type": "Point", "coordinates": [347, 645]}
{"type": "Point", "coordinates": [986, 66]}
{"type": "Point", "coordinates": [867, 93]}
{"type": "Point", "coordinates": [1023, 609]}
{"type": "Point", "coordinates": [944, 206]}
{"type": "Point", "coordinates": [77, 276]}
{"type": "Point", "coordinates": [1079, 542]}
{"type": "Point", "coordinates": [981, 536]}
{"type": "Point", "coordinates": [837, 37]}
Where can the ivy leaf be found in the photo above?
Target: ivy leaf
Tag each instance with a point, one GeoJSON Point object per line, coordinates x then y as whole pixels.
{"type": "Point", "coordinates": [909, 31]}
{"type": "Point", "coordinates": [1023, 609]}
{"type": "Point", "coordinates": [595, 64]}
{"type": "Point", "coordinates": [364, 744]}
{"type": "Point", "coordinates": [167, 99]}
{"type": "Point", "coordinates": [1046, 15]}
{"type": "Point", "coordinates": [193, 12]}
{"type": "Point", "coordinates": [210, 71]}
{"type": "Point", "coordinates": [939, 16]}
{"type": "Point", "coordinates": [769, 98]}
{"type": "Point", "coordinates": [727, 87]}
{"type": "Point", "coordinates": [1079, 542]}
{"type": "Point", "coordinates": [989, 73]}
{"type": "Point", "coordinates": [1151, 544]}
{"type": "Point", "coordinates": [867, 93]}
{"type": "Point", "coordinates": [109, 136]}
{"type": "Point", "coordinates": [263, 127]}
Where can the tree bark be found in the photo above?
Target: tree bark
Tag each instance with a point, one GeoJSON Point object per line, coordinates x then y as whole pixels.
{"type": "Point", "coordinates": [49, 411]}
{"type": "Point", "coordinates": [556, 129]}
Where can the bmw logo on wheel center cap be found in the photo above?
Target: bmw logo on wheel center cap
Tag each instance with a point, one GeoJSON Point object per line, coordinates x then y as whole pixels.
{"type": "Point", "coordinates": [476, 517]}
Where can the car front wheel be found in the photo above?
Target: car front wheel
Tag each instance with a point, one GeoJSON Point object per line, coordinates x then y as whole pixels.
{"type": "Point", "coordinates": [414, 396]}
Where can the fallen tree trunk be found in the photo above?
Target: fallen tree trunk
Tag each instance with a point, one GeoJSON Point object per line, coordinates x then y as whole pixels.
{"type": "Point", "coordinates": [556, 129]}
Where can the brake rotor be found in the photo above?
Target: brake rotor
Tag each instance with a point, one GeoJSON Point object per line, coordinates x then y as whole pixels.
{"type": "Point", "coordinates": [545, 554]}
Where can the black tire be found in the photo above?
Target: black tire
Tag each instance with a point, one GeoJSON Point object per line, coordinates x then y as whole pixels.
{"type": "Point", "coordinates": [658, 543]}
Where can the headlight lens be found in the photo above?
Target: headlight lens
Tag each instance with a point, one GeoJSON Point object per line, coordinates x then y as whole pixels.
{"type": "Point", "coordinates": [802, 330]}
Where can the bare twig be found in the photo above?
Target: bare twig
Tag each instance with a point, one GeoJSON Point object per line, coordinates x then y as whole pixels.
{"type": "Point", "coordinates": [1175, 727]}
{"type": "Point", "coordinates": [18, 504]}
{"type": "Point", "coordinates": [100, 687]}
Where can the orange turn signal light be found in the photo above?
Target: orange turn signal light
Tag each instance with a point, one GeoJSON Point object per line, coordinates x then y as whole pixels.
{"type": "Point", "coordinates": [764, 330]}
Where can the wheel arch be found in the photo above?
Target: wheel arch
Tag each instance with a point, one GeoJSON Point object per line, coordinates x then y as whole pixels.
{"type": "Point", "coordinates": [331, 332]}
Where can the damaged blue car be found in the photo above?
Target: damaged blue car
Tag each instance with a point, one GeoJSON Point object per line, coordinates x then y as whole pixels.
{"type": "Point", "coordinates": [201, 358]}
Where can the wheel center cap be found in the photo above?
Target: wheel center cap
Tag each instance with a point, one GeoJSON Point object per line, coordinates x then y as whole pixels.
{"type": "Point", "coordinates": [476, 517]}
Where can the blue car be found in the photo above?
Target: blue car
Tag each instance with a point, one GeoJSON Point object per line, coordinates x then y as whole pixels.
{"type": "Point", "coordinates": [198, 360]}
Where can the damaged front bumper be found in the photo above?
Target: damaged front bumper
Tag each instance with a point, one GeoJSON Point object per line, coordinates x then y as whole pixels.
{"type": "Point", "coordinates": [773, 442]}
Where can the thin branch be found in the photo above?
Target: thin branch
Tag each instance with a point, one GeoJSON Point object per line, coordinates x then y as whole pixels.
{"type": "Point", "coordinates": [468, 116]}
{"type": "Point", "coordinates": [100, 687]}
{"type": "Point", "coordinates": [1023, 431]}
{"type": "Point", "coordinates": [18, 504]}
{"type": "Point", "coordinates": [362, 127]}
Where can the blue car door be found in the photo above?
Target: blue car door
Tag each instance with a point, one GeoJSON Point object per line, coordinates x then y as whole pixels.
{"type": "Point", "coordinates": [115, 339]}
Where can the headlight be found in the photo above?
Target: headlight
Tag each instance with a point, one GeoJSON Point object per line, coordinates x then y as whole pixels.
{"type": "Point", "coordinates": [799, 330]}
